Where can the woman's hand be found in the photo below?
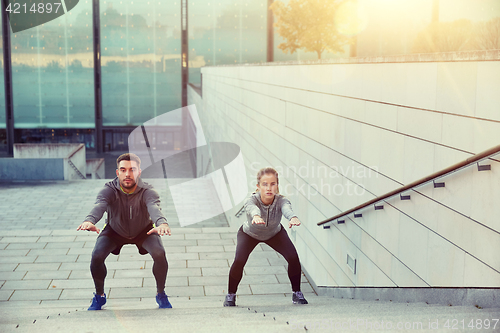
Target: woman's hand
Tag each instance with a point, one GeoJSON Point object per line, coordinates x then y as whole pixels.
{"type": "Point", "coordinates": [294, 222]}
{"type": "Point", "coordinates": [258, 220]}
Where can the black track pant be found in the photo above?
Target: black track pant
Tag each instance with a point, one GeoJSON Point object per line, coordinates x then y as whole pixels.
{"type": "Point", "coordinates": [103, 247]}
{"type": "Point", "coordinates": [280, 242]}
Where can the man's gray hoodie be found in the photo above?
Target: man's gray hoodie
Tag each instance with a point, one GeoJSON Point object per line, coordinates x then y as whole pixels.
{"type": "Point", "coordinates": [128, 214]}
{"type": "Point", "coordinates": [271, 214]}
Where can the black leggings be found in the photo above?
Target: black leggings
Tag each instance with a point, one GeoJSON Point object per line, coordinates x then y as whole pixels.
{"type": "Point", "coordinates": [103, 247]}
{"type": "Point", "coordinates": [279, 242]}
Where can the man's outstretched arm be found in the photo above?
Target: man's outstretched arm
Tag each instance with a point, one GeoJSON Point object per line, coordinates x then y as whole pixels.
{"type": "Point", "coordinates": [102, 201]}
{"type": "Point", "coordinates": [152, 201]}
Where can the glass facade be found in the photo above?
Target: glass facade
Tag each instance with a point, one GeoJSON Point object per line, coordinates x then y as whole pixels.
{"type": "Point", "coordinates": [53, 73]}
{"type": "Point", "coordinates": [53, 78]}
{"type": "Point", "coordinates": [141, 51]}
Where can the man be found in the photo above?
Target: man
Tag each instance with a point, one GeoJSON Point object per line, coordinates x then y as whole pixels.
{"type": "Point", "coordinates": [134, 217]}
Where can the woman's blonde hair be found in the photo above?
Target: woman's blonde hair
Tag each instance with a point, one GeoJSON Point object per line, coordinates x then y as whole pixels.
{"type": "Point", "coordinates": [267, 170]}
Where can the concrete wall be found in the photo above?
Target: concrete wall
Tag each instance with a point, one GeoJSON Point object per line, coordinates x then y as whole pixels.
{"type": "Point", "coordinates": [31, 169]}
{"type": "Point", "coordinates": [74, 153]}
{"type": "Point", "coordinates": [341, 134]}
{"type": "Point", "coordinates": [95, 168]}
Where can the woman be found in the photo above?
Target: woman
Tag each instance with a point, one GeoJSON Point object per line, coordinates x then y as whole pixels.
{"type": "Point", "coordinates": [264, 209]}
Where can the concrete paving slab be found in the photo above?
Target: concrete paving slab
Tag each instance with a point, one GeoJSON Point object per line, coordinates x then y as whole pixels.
{"type": "Point", "coordinates": [178, 242]}
{"type": "Point", "coordinates": [216, 255]}
{"type": "Point", "coordinates": [221, 230]}
{"type": "Point", "coordinates": [58, 239]}
{"type": "Point", "coordinates": [215, 271]}
{"type": "Point", "coordinates": [256, 262]}
{"type": "Point", "coordinates": [283, 278]}
{"type": "Point", "coordinates": [29, 233]}
{"type": "Point", "coordinates": [48, 252]}
{"type": "Point", "coordinates": [76, 294]}
{"type": "Point", "coordinates": [209, 242]}
{"type": "Point", "coordinates": [56, 258]}
{"type": "Point", "coordinates": [257, 270]}
{"type": "Point", "coordinates": [9, 253]}
{"type": "Point", "coordinates": [205, 236]}
{"type": "Point", "coordinates": [8, 267]}
{"type": "Point", "coordinates": [17, 259]}
{"type": "Point", "coordinates": [20, 239]}
{"type": "Point", "coordinates": [208, 263]}
{"type": "Point", "coordinates": [243, 289]}
{"type": "Point", "coordinates": [69, 266]}
{"type": "Point", "coordinates": [85, 258]}
{"type": "Point", "coordinates": [41, 275]}
{"type": "Point", "coordinates": [81, 250]}
{"type": "Point", "coordinates": [72, 284]}
{"type": "Point", "coordinates": [277, 261]}
{"type": "Point", "coordinates": [264, 254]}
{"type": "Point", "coordinates": [12, 246]}
{"type": "Point", "coordinates": [64, 245]}
{"type": "Point", "coordinates": [132, 292]}
{"type": "Point", "coordinates": [188, 230]}
{"type": "Point", "coordinates": [172, 281]}
{"type": "Point", "coordinates": [18, 305]}
{"type": "Point", "coordinates": [216, 280]}
{"type": "Point", "coordinates": [31, 284]}
{"type": "Point", "coordinates": [5, 295]}
{"type": "Point", "coordinates": [259, 279]}
{"type": "Point", "coordinates": [35, 295]}
{"type": "Point", "coordinates": [38, 267]}
{"type": "Point", "coordinates": [18, 275]}
{"type": "Point", "coordinates": [123, 265]}
{"type": "Point", "coordinates": [207, 248]}
{"type": "Point", "coordinates": [85, 274]}
{"type": "Point", "coordinates": [183, 256]}
{"type": "Point", "coordinates": [175, 249]}
{"type": "Point", "coordinates": [184, 272]}
{"type": "Point", "coordinates": [171, 264]}
{"type": "Point", "coordinates": [131, 273]}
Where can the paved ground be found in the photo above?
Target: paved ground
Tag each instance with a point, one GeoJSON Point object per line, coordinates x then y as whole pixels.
{"type": "Point", "coordinates": [46, 285]}
{"type": "Point", "coordinates": [44, 260]}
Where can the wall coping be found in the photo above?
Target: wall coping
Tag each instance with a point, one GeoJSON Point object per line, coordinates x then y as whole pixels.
{"type": "Point", "coordinates": [482, 55]}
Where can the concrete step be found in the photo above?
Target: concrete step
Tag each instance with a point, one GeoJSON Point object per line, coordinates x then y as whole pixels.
{"type": "Point", "coordinates": [253, 314]}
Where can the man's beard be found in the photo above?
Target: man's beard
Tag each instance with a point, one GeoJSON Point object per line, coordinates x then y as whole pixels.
{"type": "Point", "coordinates": [123, 184]}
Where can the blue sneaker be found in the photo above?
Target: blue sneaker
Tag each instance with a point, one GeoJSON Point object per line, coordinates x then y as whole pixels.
{"type": "Point", "coordinates": [162, 301]}
{"type": "Point", "coordinates": [97, 302]}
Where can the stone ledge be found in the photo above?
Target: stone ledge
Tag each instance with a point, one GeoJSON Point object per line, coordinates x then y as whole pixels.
{"type": "Point", "coordinates": [478, 297]}
{"type": "Point", "coordinates": [482, 55]}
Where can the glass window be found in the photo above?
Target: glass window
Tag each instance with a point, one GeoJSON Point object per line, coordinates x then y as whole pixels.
{"type": "Point", "coordinates": [141, 69]}
{"type": "Point", "coordinates": [53, 72]}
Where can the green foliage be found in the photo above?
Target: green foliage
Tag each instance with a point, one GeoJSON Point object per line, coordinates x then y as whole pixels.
{"type": "Point", "coordinates": [309, 25]}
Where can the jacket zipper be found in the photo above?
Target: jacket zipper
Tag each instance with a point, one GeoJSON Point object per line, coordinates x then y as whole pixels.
{"type": "Point", "coordinates": [267, 221]}
{"type": "Point", "coordinates": [131, 212]}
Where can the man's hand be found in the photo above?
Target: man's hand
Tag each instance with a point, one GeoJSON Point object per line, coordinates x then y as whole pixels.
{"type": "Point", "coordinates": [294, 222]}
{"type": "Point", "coordinates": [162, 230]}
{"type": "Point", "coordinates": [258, 220]}
{"type": "Point", "coordinates": [89, 226]}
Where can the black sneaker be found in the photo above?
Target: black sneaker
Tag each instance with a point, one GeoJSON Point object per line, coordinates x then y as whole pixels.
{"type": "Point", "coordinates": [230, 300]}
{"type": "Point", "coordinates": [298, 298]}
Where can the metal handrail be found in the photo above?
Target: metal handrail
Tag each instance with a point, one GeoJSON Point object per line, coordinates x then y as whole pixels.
{"type": "Point", "coordinates": [450, 169]}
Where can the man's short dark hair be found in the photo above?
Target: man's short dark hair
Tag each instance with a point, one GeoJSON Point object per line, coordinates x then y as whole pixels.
{"type": "Point", "coordinates": [128, 157]}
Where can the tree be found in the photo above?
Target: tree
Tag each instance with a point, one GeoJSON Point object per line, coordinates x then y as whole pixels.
{"type": "Point", "coordinates": [488, 34]}
{"type": "Point", "coordinates": [309, 25]}
{"type": "Point", "coordinates": [444, 37]}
